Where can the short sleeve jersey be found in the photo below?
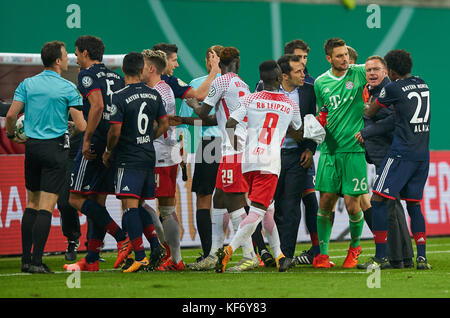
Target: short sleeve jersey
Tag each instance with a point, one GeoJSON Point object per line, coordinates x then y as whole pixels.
{"type": "Point", "coordinates": [136, 107]}
{"type": "Point", "coordinates": [166, 146]}
{"type": "Point", "coordinates": [412, 114]}
{"type": "Point", "coordinates": [224, 94]}
{"type": "Point", "coordinates": [178, 87]}
{"type": "Point", "coordinates": [269, 116]}
{"type": "Point", "coordinates": [99, 77]}
{"type": "Point", "coordinates": [47, 97]}
{"type": "Point", "coordinates": [343, 97]}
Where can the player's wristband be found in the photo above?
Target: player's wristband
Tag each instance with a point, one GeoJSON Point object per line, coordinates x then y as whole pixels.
{"type": "Point", "coordinates": [10, 136]}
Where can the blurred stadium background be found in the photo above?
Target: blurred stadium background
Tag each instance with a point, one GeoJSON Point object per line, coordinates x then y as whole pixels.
{"type": "Point", "coordinates": [259, 30]}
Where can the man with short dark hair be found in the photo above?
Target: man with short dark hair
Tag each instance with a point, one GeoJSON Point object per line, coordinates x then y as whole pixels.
{"type": "Point", "coordinates": [92, 181]}
{"type": "Point", "coordinates": [46, 98]}
{"type": "Point", "coordinates": [404, 170]}
{"type": "Point", "coordinates": [130, 138]}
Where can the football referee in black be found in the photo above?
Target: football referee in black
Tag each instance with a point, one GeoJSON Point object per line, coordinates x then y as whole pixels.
{"type": "Point", "coordinates": [46, 98]}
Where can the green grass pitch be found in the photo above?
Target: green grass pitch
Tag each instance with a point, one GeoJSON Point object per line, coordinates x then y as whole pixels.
{"type": "Point", "coordinates": [299, 282]}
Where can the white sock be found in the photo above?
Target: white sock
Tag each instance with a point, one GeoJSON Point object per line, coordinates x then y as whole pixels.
{"type": "Point", "coordinates": [171, 228]}
{"type": "Point", "coordinates": [271, 231]}
{"type": "Point", "coordinates": [156, 223]}
{"type": "Point", "coordinates": [243, 236]}
{"type": "Point", "coordinates": [219, 220]}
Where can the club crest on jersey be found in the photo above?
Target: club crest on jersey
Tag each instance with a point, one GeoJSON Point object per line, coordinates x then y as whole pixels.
{"type": "Point", "coordinates": [86, 81]}
{"type": "Point", "coordinates": [212, 92]}
{"type": "Point", "coordinates": [349, 85]}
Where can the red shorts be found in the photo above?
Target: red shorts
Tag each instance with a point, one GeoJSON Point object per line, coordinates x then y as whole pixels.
{"type": "Point", "coordinates": [166, 181]}
{"type": "Point", "coordinates": [261, 186]}
{"type": "Point", "coordinates": [229, 175]}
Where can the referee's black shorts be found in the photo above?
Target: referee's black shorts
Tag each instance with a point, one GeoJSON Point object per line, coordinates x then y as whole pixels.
{"type": "Point", "coordinates": [207, 160]}
{"type": "Point", "coordinates": [45, 164]}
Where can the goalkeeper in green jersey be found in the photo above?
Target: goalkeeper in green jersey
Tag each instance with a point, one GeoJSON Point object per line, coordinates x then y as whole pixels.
{"type": "Point", "coordinates": [342, 167]}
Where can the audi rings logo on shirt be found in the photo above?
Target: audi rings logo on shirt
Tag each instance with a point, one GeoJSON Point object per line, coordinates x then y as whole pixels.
{"type": "Point", "coordinates": [349, 85]}
{"type": "Point", "coordinates": [212, 92]}
{"type": "Point", "coordinates": [383, 92]}
{"type": "Point", "coordinates": [87, 81]}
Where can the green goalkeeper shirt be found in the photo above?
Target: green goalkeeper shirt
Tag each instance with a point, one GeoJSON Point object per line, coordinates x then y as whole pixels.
{"type": "Point", "coordinates": [343, 97]}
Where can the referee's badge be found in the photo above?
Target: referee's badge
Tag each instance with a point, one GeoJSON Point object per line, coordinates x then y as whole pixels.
{"type": "Point", "coordinates": [86, 81]}
{"type": "Point", "coordinates": [383, 92]}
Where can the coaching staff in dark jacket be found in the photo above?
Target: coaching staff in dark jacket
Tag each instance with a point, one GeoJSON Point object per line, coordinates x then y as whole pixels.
{"type": "Point", "coordinates": [46, 98]}
{"type": "Point", "coordinates": [377, 137]}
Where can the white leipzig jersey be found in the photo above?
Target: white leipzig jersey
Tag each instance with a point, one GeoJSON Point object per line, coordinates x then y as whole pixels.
{"type": "Point", "coordinates": [269, 116]}
{"type": "Point", "coordinates": [166, 146]}
{"type": "Point", "coordinates": [224, 95]}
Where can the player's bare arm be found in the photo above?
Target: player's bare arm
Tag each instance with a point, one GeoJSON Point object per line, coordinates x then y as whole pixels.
{"type": "Point", "coordinates": [78, 121]}
{"type": "Point", "coordinates": [94, 117]}
{"type": "Point", "coordinates": [231, 127]}
{"type": "Point", "coordinates": [211, 120]}
{"type": "Point", "coordinates": [11, 118]}
{"type": "Point", "coordinates": [202, 91]}
{"type": "Point", "coordinates": [161, 128]}
{"type": "Point", "coordinates": [201, 109]}
{"type": "Point", "coordinates": [111, 142]}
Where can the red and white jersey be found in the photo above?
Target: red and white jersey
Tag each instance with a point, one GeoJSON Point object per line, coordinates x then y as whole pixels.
{"type": "Point", "coordinates": [224, 94]}
{"type": "Point", "coordinates": [269, 116]}
{"type": "Point", "coordinates": [167, 148]}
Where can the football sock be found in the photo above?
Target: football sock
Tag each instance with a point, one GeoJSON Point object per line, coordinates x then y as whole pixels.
{"type": "Point", "coordinates": [311, 207]}
{"type": "Point", "coordinates": [418, 228]}
{"type": "Point", "coordinates": [380, 227]}
{"type": "Point", "coordinates": [148, 228]}
{"type": "Point", "coordinates": [246, 228]}
{"type": "Point", "coordinates": [368, 217]}
{"type": "Point", "coordinates": [203, 218]}
{"type": "Point", "coordinates": [324, 227]}
{"type": "Point", "coordinates": [28, 219]}
{"type": "Point", "coordinates": [96, 235]}
{"type": "Point", "coordinates": [219, 224]}
{"type": "Point", "coordinates": [356, 227]}
{"type": "Point", "coordinates": [171, 229]}
{"type": "Point", "coordinates": [236, 218]}
{"type": "Point", "coordinates": [100, 215]}
{"type": "Point", "coordinates": [156, 222]}
{"type": "Point", "coordinates": [41, 229]}
{"type": "Point", "coordinates": [271, 231]}
{"type": "Point", "coordinates": [134, 228]}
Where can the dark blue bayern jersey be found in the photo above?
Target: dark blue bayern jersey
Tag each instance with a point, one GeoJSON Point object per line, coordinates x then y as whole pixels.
{"type": "Point", "coordinates": [411, 100]}
{"type": "Point", "coordinates": [136, 107]}
{"type": "Point", "coordinates": [99, 77]}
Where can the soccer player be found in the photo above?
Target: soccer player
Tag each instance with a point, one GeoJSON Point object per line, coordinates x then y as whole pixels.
{"type": "Point", "coordinates": [130, 138]}
{"type": "Point", "coordinates": [168, 158]}
{"type": "Point", "coordinates": [231, 186]}
{"type": "Point", "coordinates": [269, 114]}
{"type": "Point", "coordinates": [46, 98]}
{"type": "Point", "coordinates": [342, 164]}
{"type": "Point", "coordinates": [404, 170]}
{"type": "Point", "coordinates": [91, 180]}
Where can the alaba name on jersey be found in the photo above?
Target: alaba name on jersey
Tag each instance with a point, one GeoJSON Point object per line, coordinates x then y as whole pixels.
{"type": "Point", "coordinates": [269, 116]}
{"type": "Point", "coordinates": [166, 146]}
{"type": "Point", "coordinates": [343, 97]}
{"type": "Point", "coordinates": [99, 77]}
{"type": "Point", "coordinates": [136, 107]}
{"type": "Point", "coordinates": [224, 94]}
{"type": "Point", "coordinates": [411, 100]}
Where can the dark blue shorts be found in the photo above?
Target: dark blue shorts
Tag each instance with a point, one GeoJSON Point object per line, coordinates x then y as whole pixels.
{"type": "Point", "coordinates": [135, 182]}
{"type": "Point", "coordinates": [401, 177]}
{"type": "Point", "coordinates": [91, 177]}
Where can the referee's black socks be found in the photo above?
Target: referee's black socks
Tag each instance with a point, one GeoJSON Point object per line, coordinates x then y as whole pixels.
{"type": "Point", "coordinates": [28, 219]}
{"type": "Point", "coordinates": [204, 228]}
{"type": "Point", "coordinates": [41, 229]}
